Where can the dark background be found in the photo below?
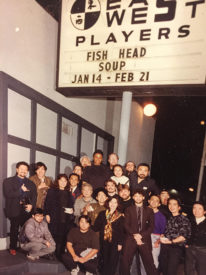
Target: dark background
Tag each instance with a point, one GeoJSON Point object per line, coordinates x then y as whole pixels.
{"type": "Point", "coordinates": [178, 144]}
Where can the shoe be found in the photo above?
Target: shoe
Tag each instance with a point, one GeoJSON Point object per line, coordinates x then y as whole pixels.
{"type": "Point", "coordinates": [75, 271]}
{"type": "Point", "coordinates": [32, 258]}
{"type": "Point", "coordinates": [12, 252]}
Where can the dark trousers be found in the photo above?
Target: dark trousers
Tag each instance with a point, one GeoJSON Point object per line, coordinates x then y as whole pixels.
{"type": "Point", "coordinates": [195, 260]}
{"type": "Point", "coordinates": [59, 232]}
{"type": "Point", "coordinates": [90, 266]}
{"type": "Point", "coordinates": [110, 256]}
{"type": "Point", "coordinates": [170, 257]}
{"type": "Point", "coordinates": [130, 248]}
{"type": "Point", "coordinates": [15, 223]}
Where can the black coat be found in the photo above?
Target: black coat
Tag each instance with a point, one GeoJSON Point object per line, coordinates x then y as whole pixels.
{"type": "Point", "coordinates": [54, 207]}
{"type": "Point", "coordinates": [96, 175]}
{"type": "Point", "coordinates": [148, 185]}
{"type": "Point", "coordinates": [12, 193]}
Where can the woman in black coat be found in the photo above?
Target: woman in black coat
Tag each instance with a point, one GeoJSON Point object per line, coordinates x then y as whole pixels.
{"type": "Point", "coordinates": [58, 210]}
{"type": "Point", "coordinates": [109, 224]}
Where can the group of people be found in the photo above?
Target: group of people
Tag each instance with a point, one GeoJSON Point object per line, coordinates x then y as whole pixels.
{"type": "Point", "coordinates": [105, 219]}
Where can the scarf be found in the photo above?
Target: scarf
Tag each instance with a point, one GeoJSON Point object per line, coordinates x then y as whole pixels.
{"type": "Point", "coordinates": [110, 218]}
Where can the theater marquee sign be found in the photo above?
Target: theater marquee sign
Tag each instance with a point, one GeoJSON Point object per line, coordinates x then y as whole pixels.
{"type": "Point", "coordinates": [116, 45]}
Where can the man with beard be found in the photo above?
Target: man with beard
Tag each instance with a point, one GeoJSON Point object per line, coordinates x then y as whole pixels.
{"type": "Point", "coordinates": [143, 181]}
{"type": "Point", "coordinates": [20, 195]}
{"type": "Point", "coordinates": [111, 188]}
{"type": "Point", "coordinates": [125, 196]}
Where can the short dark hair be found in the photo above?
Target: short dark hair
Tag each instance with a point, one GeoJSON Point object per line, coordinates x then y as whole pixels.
{"type": "Point", "coordinates": [139, 191]}
{"type": "Point", "coordinates": [22, 163]}
{"type": "Point", "coordinates": [176, 199]}
{"type": "Point", "coordinates": [118, 165]}
{"type": "Point", "coordinates": [143, 164]}
{"type": "Point", "coordinates": [110, 180]}
{"type": "Point", "coordinates": [74, 174]}
{"type": "Point", "coordinates": [40, 164]}
{"type": "Point", "coordinates": [86, 217]}
{"type": "Point", "coordinates": [39, 211]}
{"type": "Point", "coordinates": [129, 162]}
{"type": "Point", "coordinates": [200, 203]}
{"type": "Point", "coordinates": [154, 195]}
{"type": "Point", "coordinates": [164, 190]}
{"type": "Point", "coordinates": [98, 151]}
{"type": "Point", "coordinates": [97, 190]}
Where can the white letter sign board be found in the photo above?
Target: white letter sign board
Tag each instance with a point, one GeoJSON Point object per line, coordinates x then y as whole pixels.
{"type": "Point", "coordinates": [130, 43]}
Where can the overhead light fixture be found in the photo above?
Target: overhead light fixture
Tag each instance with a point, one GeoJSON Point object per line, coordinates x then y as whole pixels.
{"type": "Point", "coordinates": [150, 109]}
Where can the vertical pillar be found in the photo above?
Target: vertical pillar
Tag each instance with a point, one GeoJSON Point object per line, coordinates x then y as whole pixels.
{"type": "Point", "coordinates": [202, 166]}
{"type": "Point", "coordinates": [124, 126]}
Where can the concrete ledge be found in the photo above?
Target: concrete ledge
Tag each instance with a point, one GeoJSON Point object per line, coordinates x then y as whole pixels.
{"type": "Point", "coordinates": [20, 265]}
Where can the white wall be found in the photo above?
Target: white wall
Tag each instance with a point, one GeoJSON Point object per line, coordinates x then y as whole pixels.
{"type": "Point", "coordinates": [141, 134]}
{"type": "Point", "coordinates": [28, 52]}
{"type": "Point", "coordinates": [30, 55]}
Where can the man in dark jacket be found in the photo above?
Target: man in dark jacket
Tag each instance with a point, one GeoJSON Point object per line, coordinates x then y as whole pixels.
{"type": "Point", "coordinates": [142, 180]}
{"type": "Point", "coordinates": [195, 259]}
{"type": "Point", "coordinates": [20, 194]}
{"type": "Point", "coordinates": [139, 224]}
{"type": "Point", "coordinates": [97, 173]}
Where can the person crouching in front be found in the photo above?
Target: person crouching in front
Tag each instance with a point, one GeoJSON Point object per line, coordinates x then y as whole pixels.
{"type": "Point", "coordinates": [36, 238]}
{"type": "Point", "coordinates": [82, 246]}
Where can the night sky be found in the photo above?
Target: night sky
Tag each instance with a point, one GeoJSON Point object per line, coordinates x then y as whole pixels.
{"type": "Point", "coordinates": [178, 143]}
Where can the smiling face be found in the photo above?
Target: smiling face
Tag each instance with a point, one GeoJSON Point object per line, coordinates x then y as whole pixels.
{"type": "Point", "coordinates": [87, 192]}
{"type": "Point", "coordinates": [198, 210]}
{"type": "Point", "coordinates": [174, 207]}
{"type": "Point", "coordinates": [110, 187]}
{"type": "Point", "coordinates": [118, 172]}
{"type": "Point", "coordinates": [22, 171]}
{"type": "Point", "coordinates": [101, 197]}
{"type": "Point", "coordinates": [85, 161]}
{"type": "Point", "coordinates": [41, 172]}
{"type": "Point", "coordinates": [154, 202]}
{"type": "Point", "coordinates": [113, 160]}
{"type": "Point", "coordinates": [130, 166]}
{"type": "Point", "coordinates": [113, 204]}
{"type": "Point", "coordinates": [73, 180]}
{"type": "Point", "coordinates": [124, 194]}
{"type": "Point", "coordinates": [97, 159]}
{"type": "Point", "coordinates": [62, 183]}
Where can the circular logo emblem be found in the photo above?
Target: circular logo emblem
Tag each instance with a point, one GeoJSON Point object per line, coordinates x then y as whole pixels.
{"type": "Point", "coordinates": [85, 13]}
